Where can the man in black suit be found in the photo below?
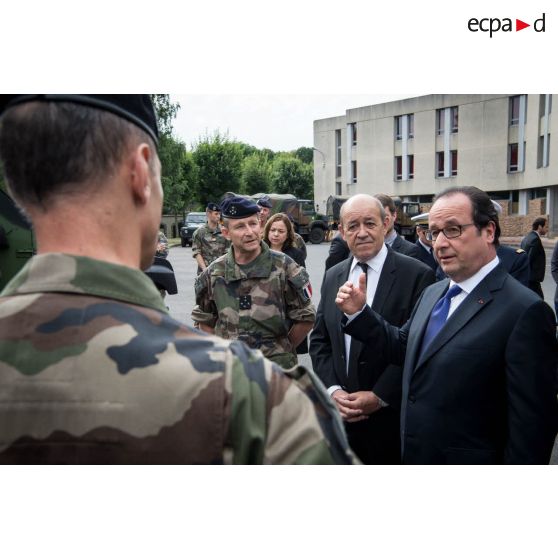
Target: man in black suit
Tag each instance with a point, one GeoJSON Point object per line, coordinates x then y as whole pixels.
{"type": "Point", "coordinates": [532, 244]}
{"type": "Point", "coordinates": [478, 386]}
{"type": "Point", "coordinates": [338, 251]}
{"type": "Point", "coordinates": [348, 369]}
{"type": "Point", "coordinates": [393, 240]}
{"type": "Point", "coordinates": [425, 252]}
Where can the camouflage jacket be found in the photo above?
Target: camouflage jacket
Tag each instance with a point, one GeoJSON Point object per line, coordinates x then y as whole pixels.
{"type": "Point", "coordinates": [209, 244]}
{"type": "Point", "coordinates": [299, 244]}
{"type": "Point", "coordinates": [94, 370]}
{"type": "Point", "coordinates": [257, 304]}
{"type": "Point", "coordinates": [162, 245]}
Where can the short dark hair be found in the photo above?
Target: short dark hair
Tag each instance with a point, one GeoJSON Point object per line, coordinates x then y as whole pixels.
{"type": "Point", "coordinates": [539, 222]}
{"type": "Point", "coordinates": [50, 148]}
{"type": "Point", "coordinates": [484, 210]}
{"type": "Point", "coordinates": [386, 201]}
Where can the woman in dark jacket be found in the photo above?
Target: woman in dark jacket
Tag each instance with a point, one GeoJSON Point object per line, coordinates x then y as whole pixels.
{"type": "Point", "coordinates": [279, 236]}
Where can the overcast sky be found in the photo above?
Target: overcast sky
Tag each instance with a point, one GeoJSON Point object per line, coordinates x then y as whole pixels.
{"type": "Point", "coordinates": [278, 122]}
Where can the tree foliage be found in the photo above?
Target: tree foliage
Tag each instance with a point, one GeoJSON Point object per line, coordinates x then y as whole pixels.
{"type": "Point", "coordinates": [305, 154]}
{"type": "Point", "coordinates": [291, 176]}
{"type": "Point", "coordinates": [219, 162]}
{"type": "Point", "coordinates": [256, 174]}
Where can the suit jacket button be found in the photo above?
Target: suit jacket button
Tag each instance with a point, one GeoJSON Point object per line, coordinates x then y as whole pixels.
{"type": "Point", "coordinates": [412, 398]}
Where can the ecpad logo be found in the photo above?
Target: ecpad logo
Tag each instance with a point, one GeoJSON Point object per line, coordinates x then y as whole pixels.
{"type": "Point", "coordinates": [493, 25]}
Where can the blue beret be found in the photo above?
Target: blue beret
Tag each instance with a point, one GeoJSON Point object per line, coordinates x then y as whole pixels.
{"type": "Point", "coordinates": [265, 201]}
{"type": "Point", "coordinates": [236, 207]}
{"type": "Point", "coordinates": [212, 207]}
{"type": "Point", "coordinates": [137, 109]}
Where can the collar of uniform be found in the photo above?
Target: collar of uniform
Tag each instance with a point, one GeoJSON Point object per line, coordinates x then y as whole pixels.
{"type": "Point", "coordinates": [260, 267]}
{"type": "Point", "coordinates": [80, 275]}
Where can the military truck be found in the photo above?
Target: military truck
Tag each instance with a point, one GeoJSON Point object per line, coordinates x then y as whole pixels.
{"type": "Point", "coordinates": [333, 209]}
{"type": "Point", "coordinates": [302, 213]}
{"type": "Point", "coordinates": [17, 242]}
{"type": "Point", "coordinates": [405, 211]}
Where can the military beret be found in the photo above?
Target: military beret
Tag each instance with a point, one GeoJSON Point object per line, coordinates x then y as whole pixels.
{"type": "Point", "coordinates": [265, 201]}
{"type": "Point", "coordinates": [236, 207]}
{"type": "Point", "coordinates": [212, 207]}
{"type": "Point", "coordinates": [137, 109]}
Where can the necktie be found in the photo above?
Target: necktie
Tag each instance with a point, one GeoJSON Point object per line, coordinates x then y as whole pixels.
{"type": "Point", "coordinates": [439, 316]}
{"type": "Point", "coordinates": [364, 267]}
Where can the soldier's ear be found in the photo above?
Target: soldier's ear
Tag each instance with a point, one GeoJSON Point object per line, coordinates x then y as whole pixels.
{"type": "Point", "coordinates": [140, 175]}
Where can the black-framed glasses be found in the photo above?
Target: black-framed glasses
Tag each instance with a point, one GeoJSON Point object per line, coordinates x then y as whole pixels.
{"type": "Point", "coordinates": [452, 231]}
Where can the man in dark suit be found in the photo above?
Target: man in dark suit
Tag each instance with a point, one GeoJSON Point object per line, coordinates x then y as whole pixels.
{"type": "Point", "coordinates": [479, 350]}
{"type": "Point", "coordinates": [532, 244]}
{"type": "Point", "coordinates": [425, 252]}
{"type": "Point", "coordinates": [393, 240]}
{"type": "Point", "coordinates": [338, 251]}
{"type": "Point", "coordinates": [347, 368]}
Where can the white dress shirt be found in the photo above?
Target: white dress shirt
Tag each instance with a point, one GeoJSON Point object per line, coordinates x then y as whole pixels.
{"type": "Point", "coordinates": [375, 266]}
{"type": "Point", "coordinates": [468, 285]}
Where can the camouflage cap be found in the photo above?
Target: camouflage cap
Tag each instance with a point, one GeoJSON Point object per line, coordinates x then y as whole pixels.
{"type": "Point", "coordinates": [237, 208]}
{"type": "Point", "coordinates": [137, 109]}
{"type": "Point", "coordinates": [265, 201]}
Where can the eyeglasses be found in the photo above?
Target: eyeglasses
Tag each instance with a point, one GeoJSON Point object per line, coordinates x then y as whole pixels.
{"type": "Point", "coordinates": [453, 231]}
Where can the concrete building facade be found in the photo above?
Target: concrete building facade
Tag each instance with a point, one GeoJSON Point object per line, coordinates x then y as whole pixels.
{"type": "Point", "coordinates": [414, 148]}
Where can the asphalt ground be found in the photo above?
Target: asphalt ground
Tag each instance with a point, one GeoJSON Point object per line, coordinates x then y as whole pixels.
{"type": "Point", "coordinates": [185, 267]}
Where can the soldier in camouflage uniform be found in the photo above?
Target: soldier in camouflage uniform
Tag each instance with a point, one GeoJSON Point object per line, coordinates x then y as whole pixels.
{"type": "Point", "coordinates": [252, 293]}
{"type": "Point", "coordinates": [208, 243]}
{"type": "Point", "coordinates": [162, 245]}
{"type": "Point", "coordinates": [92, 367]}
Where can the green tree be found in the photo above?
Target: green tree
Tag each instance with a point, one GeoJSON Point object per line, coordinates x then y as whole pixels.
{"type": "Point", "coordinates": [305, 154]}
{"type": "Point", "coordinates": [219, 162]}
{"type": "Point", "coordinates": [291, 176]}
{"type": "Point", "coordinates": [166, 112]}
{"type": "Point", "coordinates": [256, 174]}
{"type": "Point", "coordinates": [171, 153]}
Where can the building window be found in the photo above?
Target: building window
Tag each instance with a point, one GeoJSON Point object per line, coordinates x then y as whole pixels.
{"type": "Point", "coordinates": [398, 121]}
{"type": "Point", "coordinates": [454, 119]}
{"type": "Point", "coordinates": [398, 167]}
{"type": "Point", "coordinates": [543, 151]}
{"type": "Point", "coordinates": [454, 162]}
{"type": "Point", "coordinates": [513, 157]}
{"type": "Point", "coordinates": [542, 104]}
{"type": "Point", "coordinates": [514, 110]}
{"type": "Point", "coordinates": [338, 152]}
{"type": "Point", "coordinates": [440, 159]}
{"type": "Point", "coordinates": [354, 171]}
{"type": "Point", "coordinates": [439, 164]}
{"type": "Point", "coordinates": [338, 191]}
{"type": "Point", "coordinates": [353, 133]}
{"type": "Point", "coordinates": [441, 120]}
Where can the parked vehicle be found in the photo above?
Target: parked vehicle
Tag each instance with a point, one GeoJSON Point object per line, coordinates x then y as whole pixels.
{"type": "Point", "coordinates": [194, 220]}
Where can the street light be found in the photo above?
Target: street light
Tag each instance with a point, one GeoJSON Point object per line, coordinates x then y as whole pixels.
{"type": "Point", "coordinates": [322, 154]}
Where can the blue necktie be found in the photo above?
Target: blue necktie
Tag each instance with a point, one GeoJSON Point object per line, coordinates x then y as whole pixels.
{"type": "Point", "coordinates": [439, 316]}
